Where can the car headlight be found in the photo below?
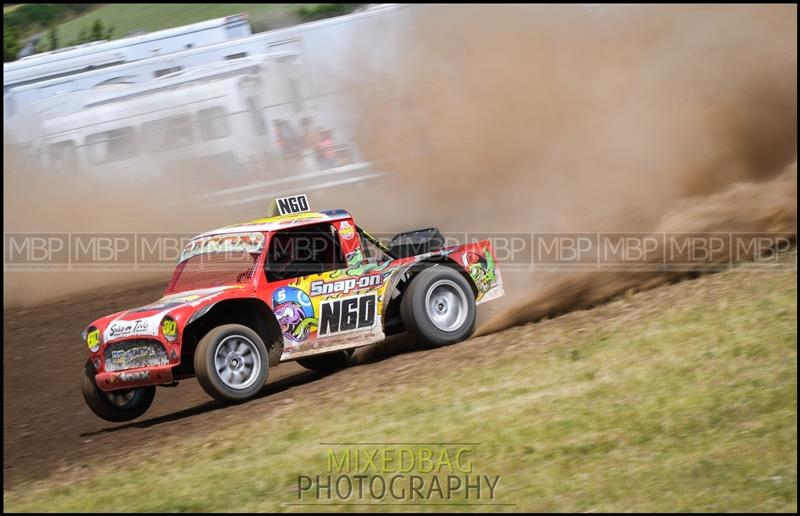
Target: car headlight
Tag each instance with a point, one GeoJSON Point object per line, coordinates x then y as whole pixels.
{"type": "Point", "coordinates": [92, 337]}
{"type": "Point", "coordinates": [169, 328]}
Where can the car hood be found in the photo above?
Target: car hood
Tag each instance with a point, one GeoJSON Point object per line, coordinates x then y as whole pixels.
{"type": "Point", "coordinates": [144, 321]}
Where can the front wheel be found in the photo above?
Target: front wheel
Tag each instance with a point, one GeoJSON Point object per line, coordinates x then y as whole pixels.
{"type": "Point", "coordinates": [438, 308]}
{"type": "Point", "coordinates": [231, 363]}
{"type": "Point", "coordinates": [116, 406]}
{"type": "Point", "coordinates": [327, 362]}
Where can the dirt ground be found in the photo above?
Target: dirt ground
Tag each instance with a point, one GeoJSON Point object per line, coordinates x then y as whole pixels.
{"type": "Point", "coordinates": [49, 430]}
{"type": "Point", "coordinates": [47, 425]}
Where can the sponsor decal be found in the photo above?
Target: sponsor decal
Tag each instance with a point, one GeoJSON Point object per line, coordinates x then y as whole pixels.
{"type": "Point", "coordinates": [347, 314]}
{"type": "Point", "coordinates": [124, 328]}
{"type": "Point", "coordinates": [134, 354]}
{"type": "Point", "coordinates": [481, 268]}
{"type": "Point", "coordinates": [144, 356]}
{"type": "Point", "coordinates": [346, 230]}
{"type": "Point", "coordinates": [344, 286]}
{"type": "Point", "coordinates": [120, 328]}
{"type": "Point", "coordinates": [126, 356]}
{"type": "Point", "coordinates": [134, 376]}
{"type": "Point", "coordinates": [93, 339]}
{"type": "Point", "coordinates": [228, 242]}
{"type": "Point", "coordinates": [169, 328]}
{"type": "Point", "coordinates": [295, 313]}
{"type": "Point", "coordinates": [292, 204]}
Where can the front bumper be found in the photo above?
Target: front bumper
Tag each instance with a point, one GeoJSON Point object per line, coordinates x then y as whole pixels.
{"type": "Point", "coordinates": [135, 362]}
{"type": "Point", "coordinates": [132, 378]}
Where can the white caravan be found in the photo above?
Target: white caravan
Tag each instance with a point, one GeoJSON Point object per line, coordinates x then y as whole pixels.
{"type": "Point", "coordinates": [206, 117]}
{"type": "Point", "coordinates": [323, 46]}
{"type": "Point", "coordinates": [331, 58]}
{"type": "Point", "coordinates": [100, 54]}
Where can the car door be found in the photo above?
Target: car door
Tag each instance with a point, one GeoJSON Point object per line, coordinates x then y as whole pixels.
{"type": "Point", "coordinates": [322, 292]}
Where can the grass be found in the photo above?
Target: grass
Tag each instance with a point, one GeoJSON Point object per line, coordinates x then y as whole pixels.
{"type": "Point", "coordinates": [11, 8]}
{"type": "Point", "coordinates": [152, 17]}
{"type": "Point", "coordinates": [680, 399]}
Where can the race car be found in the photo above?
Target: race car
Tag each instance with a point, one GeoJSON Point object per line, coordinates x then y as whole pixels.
{"type": "Point", "coordinates": [297, 285]}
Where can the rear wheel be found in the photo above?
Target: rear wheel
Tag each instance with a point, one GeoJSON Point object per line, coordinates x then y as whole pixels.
{"type": "Point", "coordinates": [438, 308]}
{"type": "Point", "coordinates": [231, 363]}
{"type": "Point", "coordinates": [115, 406]}
{"type": "Point", "coordinates": [327, 362]}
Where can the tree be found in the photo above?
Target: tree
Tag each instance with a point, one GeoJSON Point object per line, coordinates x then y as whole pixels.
{"type": "Point", "coordinates": [11, 44]}
{"type": "Point", "coordinates": [97, 30]}
{"type": "Point", "coordinates": [83, 35]}
{"type": "Point", "coordinates": [96, 33]}
{"type": "Point", "coordinates": [52, 36]}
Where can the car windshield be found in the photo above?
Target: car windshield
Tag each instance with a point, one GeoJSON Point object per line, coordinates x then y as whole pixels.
{"type": "Point", "coordinates": [217, 260]}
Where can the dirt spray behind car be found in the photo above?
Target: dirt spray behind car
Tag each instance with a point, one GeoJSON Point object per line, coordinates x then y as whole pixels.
{"type": "Point", "coordinates": [589, 119]}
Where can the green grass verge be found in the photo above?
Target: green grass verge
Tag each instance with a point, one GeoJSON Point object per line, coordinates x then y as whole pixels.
{"type": "Point", "coordinates": [683, 399]}
{"type": "Point", "coordinates": [11, 8]}
{"type": "Point", "coordinates": [152, 17]}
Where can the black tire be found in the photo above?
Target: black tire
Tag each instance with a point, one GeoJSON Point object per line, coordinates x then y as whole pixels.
{"type": "Point", "coordinates": [327, 362]}
{"type": "Point", "coordinates": [416, 317]}
{"type": "Point", "coordinates": [221, 383]}
{"type": "Point", "coordinates": [115, 406]}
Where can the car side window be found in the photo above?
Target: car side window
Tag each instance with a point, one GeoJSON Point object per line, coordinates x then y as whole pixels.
{"type": "Point", "coordinates": [296, 252]}
{"type": "Point", "coordinates": [371, 252]}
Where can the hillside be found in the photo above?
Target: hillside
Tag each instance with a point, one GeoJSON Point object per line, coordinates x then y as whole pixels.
{"type": "Point", "coordinates": [152, 17]}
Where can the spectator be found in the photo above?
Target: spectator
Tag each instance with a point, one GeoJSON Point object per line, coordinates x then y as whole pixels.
{"type": "Point", "coordinates": [287, 139]}
{"type": "Point", "coordinates": [326, 152]}
{"type": "Point", "coordinates": [280, 138]}
{"type": "Point", "coordinates": [311, 135]}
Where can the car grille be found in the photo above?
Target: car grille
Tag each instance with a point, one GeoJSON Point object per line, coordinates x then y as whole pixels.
{"type": "Point", "coordinates": [130, 354]}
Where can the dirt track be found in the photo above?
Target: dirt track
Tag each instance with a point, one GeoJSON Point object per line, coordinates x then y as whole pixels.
{"type": "Point", "coordinates": [47, 425]}
{"type": "Point", "coordinates": [48, 429]}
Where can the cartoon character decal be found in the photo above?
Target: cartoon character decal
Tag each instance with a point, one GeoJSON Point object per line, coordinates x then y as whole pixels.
{"type": "Point", "coordinates": [295, 313]}
{"type": "Point", "coordinates": [481, 269]}
{"type": "Point", "coordinates": [300, 306]}
{"type": "Point", "coordinates": [357, 267]}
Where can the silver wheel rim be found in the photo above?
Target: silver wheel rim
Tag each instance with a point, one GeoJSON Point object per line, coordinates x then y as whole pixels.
{"type": "Point", "coordinates": [237, 362]}
{"type": "Point", "coordinates": [446, 305]}
{"type": "Point", "coordinates": [121, 398]}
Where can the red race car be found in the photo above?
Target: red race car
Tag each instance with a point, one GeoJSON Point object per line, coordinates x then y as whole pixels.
{"type": "Point", "coordinates": [298, 285]}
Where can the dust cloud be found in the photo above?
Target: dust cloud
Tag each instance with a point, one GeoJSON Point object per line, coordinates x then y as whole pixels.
{"type": "Point", "coordinates": [768, 207]}
{"type": "Point", "coordinates": [586, 119]}
{"type": "Point", "coordinates": [44, 202]}
{"type": "Point", "coordinates": [513, 118]}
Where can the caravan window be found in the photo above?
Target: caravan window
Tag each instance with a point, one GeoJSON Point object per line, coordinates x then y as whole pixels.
{"type": "Point", "coordinates": [295, 93]}
{"type": "Point", "coordinates": [11, 104]}
{"type": "Point", "coordinates": [111, 145]}
{"type": "Point", "coordinates": [61, 154]}
{"type": "Point", "coordinates": [123, 79]}
{"type": "Point", "coordinates": [237, 56]}
{"type": "Point", "coordinates": [258, 122]}
{"type": "Point", "coordinates": [213, 123]}
{"type": "Point", "coordinates": [168, 133]}
{"type": "Point", "coordinates": [165, 71]}
{"type": "Point", "coordinates": [237, 30]}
